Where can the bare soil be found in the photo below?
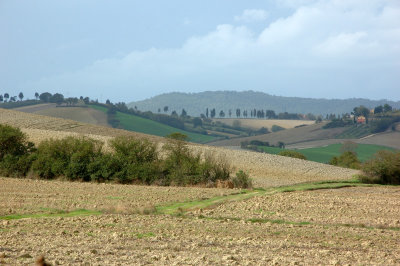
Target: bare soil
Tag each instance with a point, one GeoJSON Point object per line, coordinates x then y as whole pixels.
{"type": "Point", "coordinates": [267, 123]}
{"type": "Point", "coordinates": [80, 114]}
{"type": "Point", "coordinates": [137, 238]}
{"type": "Point", "coordinates": [288, 136]}
{"type": "Point", "coordinates": [362, 206]}
{"type": "Point", "coordinates": [344, 226]}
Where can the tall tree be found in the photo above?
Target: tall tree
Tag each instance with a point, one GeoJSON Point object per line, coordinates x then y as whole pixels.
{"type": "Point", "coordinates": [45, 96]}
{"type": "Point", "coordinates": [221, 114]}
{"type": "Point", "coordinates": [362, 111]}
{"type": "Point", "coordinates": [378, 109]}
{"type": "Point", "coordinates": [387, 108]}
{"type": "Point", "coordinates": [165, 109]}
{"type": "Point", "coordinates": [1, 98]}
{"type": "Point", "coordinates": [207, 112]}
{"type": "Point", "coordinates": [6, 96]}
{"type": "Point", "coordinates": [57, 98]}
{"type": "Point", "coordinates": [238, 112]}
{"type": "Point", "coordinates": [230, 112]}
{"type": "Point", "coordinates": [212, 114]}
{"type": "Point", "coordinates": [20, 96]}
{"type": "Point", "coordinates": [36, 95]}
{"type": "Point", "coordinates": [184, 113]}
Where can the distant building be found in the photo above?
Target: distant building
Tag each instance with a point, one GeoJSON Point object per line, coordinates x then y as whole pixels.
{"type": "Point", "coordinates": [361, 119]}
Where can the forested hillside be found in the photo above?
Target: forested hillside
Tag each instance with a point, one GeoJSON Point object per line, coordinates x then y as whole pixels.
{"type": "Point", "coordinates": [196, 103]}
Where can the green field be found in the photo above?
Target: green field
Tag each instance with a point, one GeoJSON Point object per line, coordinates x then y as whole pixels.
{"type": "Point", "coordinates": [324, 154]}
{"type": "Point", "coordinates": [147, 126]}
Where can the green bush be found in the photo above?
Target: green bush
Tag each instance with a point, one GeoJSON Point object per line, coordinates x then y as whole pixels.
{"type": "Point", "coordinates": [16, 153]}
{"type": "Point", "coordinates": [384, 168]}
{"type": "Point", "coordinates": [130, 161]}
{"type": "Point", "coordinates": [242, 180]}
{"type": "Point", "coordinates": [347, 159]}
{"type": "Point", "coordinates": [138, 160]}
{"type": "Point", "coordinates": [276, 128]}
{"type": "Point", "coordinates": [69, 157]}
{"type": "Point", "coordinates": [183, 167]}
{"type": "Point", "coordinates": [13, 142]}
{"type": "Point", "coordinates": [292, 154]}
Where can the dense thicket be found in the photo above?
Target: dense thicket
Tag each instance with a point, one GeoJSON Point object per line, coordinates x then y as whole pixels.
{"type": "Point", "coordinates": [130, 161]}
{"type": "Point", "coordinates": [347, 159]}
{"type": "Point", "coordinates": [384, 168]}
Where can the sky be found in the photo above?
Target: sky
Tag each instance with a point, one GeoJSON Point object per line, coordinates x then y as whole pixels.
{"type": "Point", "coordinates": [129, 50]}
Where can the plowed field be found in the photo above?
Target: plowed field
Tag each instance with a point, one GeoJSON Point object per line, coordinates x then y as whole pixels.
{"type": "Point", "coordinates": [110, 224]}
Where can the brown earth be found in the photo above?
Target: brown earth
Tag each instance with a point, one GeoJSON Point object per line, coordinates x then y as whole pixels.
{"type": "Point", "coordinates": [119, 237]}
{"type": "Point", "coordinates": [288, 136]}
{"type": "Point", "coordinates": [267, 123]}
{"type": "Point", "coordinates": [364, 206]}
{"type": "Point", "coordinates": [344, 226]}
{"type": "Point", "coordinates": [80, 114]}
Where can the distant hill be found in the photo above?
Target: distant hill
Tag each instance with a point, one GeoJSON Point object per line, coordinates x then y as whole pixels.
{"type": "Point", "coordinates": [196, 103]}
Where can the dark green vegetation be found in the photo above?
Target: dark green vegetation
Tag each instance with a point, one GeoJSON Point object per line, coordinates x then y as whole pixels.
{"type": "Point", "coordinates": [139, 124]}
{"type": "Point", "coordinates": [355, 132]}
{"type": "Point", "coordinates": [131, 161]}
{"type": "Point", "coordinates": [293, 154]}
{"type": "Point", "coordinates": [325, 154]}
{"type": "Point", "coordinates": [347, 159]}
{"type": "Point", "coordinates": [199, 130]}
{"type": "Point", "coordinates": [383, 168]}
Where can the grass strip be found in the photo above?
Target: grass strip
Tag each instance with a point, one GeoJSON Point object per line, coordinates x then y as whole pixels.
{"type": "Point", "coordinates": [79, 212]}
{"type": "Point", "coordinates": [181, 207]}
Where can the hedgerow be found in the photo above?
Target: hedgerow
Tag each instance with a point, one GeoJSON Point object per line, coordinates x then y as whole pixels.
{"type": "Point", "coordinates": [130, 161]}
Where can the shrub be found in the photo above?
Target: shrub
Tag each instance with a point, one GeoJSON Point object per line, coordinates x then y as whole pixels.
{"type": "Point", "coordinates": [259, 143]}
{"type": "Point", "coordinates": [242, 180]}
{"type": "Point", "coordinates": [381, 125]}
{"type": "Point", "coordinates": [13, 142]}
{"type": "Point", "coordinates": [292, 154]}
{"type": "Point", "coordinates": [347, 159]}
{"type": "Point", "coordinates": [276, 128]}
{"type": "Point", "coordinates": [384, 168]}
{"type": "Point", "coordinates": [68, 157]}
{"type": "Point", "coordinates": [183, 167]}
{"type": "Point", "coordinates": [16, 153]}
{"type": "Point", "coordinates": [137, 158]}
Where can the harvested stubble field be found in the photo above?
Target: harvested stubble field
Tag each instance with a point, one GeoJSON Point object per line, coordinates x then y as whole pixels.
{"type": "Point", "coordinates": [102, 224]}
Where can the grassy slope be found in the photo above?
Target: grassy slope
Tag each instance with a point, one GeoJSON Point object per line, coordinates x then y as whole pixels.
{"type": "Point", "coordinates": [324, 154]}
{"type": "Point", "coordinates": [147, 126]}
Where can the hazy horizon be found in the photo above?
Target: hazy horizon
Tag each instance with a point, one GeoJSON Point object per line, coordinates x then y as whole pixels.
{"type": "Point", "coordinates": [133, 50]}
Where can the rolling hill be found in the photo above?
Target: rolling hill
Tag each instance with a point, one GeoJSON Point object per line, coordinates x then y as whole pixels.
{"type": "Point", "coordinates": [279, 171]}
{"type": "Point", "coordinates": [225, 100]}
{"type": "Point", "coordinates": [97, 115]}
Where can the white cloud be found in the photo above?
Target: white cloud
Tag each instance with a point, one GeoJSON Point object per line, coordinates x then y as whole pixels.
{"type": "Point", "coordinates": [252, 15]}
{"type": "Point", "coordinates": [318, 46]}
{"type": "Point", "coordinates": [341, 43]}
